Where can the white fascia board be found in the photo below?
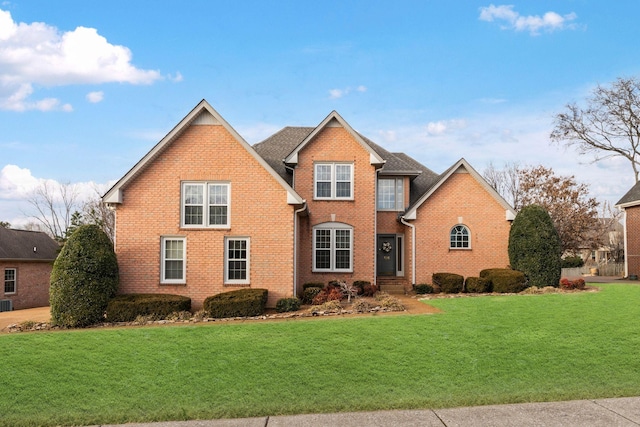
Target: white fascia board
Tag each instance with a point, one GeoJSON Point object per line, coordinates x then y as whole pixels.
{"type": "Point", "coordinates": [374, 158]}
{"type": "Point", "coordinates": [114, 195]}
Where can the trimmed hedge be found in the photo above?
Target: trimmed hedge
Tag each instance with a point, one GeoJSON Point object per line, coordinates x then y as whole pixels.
{"type": "Point", "coordinates": [238, 303]}
{"type": "Point", "coordinates": [448, 283]}
{"type": "Point", "coordinates": [313, 285]}
{"type": "Point", "coordinates": [478, 285]}
{"type": "Point", "coordinates": [125, 308]}
{"type": "Point", "coordinates": [423, 288]}
{"type": "Point", "coordinates": [504, 280]}
{"type": "Point", "coordinates": [361, 284]}
{"type": "Point", "coordinates": [284, 305]}
{"type": "Point", "coordinates": [309, 294]}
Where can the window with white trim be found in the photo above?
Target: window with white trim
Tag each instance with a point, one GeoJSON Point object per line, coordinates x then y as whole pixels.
{"type": "Point", "coordinates": [391, 194]}
{"type": "Point", "coordinates": [205, 204]}
{"type": "Point", "coordinates": [237, 254]}
{"type": "Point", "coordinates": [9, 280]}
{"type": "Point", "coordinates": [333, 248]}
{"type": "Point", "coordinates": [173, 260]}
{"type": "Point", "coordinates": [460, 237]}
{"type": "Point", "coordinates": [333, 181]}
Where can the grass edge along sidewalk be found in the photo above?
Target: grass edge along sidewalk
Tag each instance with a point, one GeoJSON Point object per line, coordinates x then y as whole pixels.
{"type": "Point", "coordinates": [479, 351]}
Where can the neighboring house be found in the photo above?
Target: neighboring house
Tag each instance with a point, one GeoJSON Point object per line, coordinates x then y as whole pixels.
{"type": "Point", "coordinates": [26, 260]}
{"type": "Point", "coordinates": [630, 205]}
{"type": "Point", "coordinates": [204, 212]}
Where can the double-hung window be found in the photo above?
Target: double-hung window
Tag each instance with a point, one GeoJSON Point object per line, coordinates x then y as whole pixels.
{"type": "Point", "coordinates": [391, 194]}
{"type": "Point", "coordinates": [173, 260]}
{"type": "Point", "coordinates": [459, 238]}
{"type": "Point", "coordinates": [206, 204]}
{"type": "Point", "coordinates": [333, 248]}
{"type": "Point", "coordinates": [9, 280]}
{"type": "Point", "coordinates": [236, 269]}
{"type": "Point", "coordinates": [333, 181]}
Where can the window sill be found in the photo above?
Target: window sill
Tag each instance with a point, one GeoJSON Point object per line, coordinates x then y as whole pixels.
{"type": "Point", "coordinates": [239, 285]}
{"type": "Point", "coordinates": [173, 283]}
{"type": "Point", "coordinates": [459, 249]}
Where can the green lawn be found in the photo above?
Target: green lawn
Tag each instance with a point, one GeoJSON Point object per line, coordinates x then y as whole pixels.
{"type": "Point", "coordinates": [482, 350]}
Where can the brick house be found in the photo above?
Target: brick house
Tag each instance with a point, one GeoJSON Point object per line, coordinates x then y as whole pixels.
{"type": "Point", "coordinates": [204, 212]}
{"type": "Point", "coordinates": [630, 205]}
{"type": "Point", "coordinates": [26, 260]}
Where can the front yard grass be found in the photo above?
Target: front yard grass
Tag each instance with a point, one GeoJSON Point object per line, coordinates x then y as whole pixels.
{"type": "Point", "coordinates": [481, 350]}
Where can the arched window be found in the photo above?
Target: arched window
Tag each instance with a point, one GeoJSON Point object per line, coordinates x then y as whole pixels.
{"type": "Point", "coordinates": [460, 237]}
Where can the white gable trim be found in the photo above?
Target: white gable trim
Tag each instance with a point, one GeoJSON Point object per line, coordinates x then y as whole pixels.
{"type": "Point", "coordinates": [334, 120]}
{"type": "Point", "coordinates": [462, 166]}
{"type": "Point", "coordinates": [202, 114]}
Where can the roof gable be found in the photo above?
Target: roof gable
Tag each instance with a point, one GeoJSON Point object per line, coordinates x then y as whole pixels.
{"type": "Point", "coordinates": [202, 114]}
{"type": "Point", "coordinates": [334, 120]}
{"type": "Point", "coordinates": [23, 245]}
{"type": "Point", "coordinates": [411, 213]}
{"type": "Point", "coordinates": [631, 198]}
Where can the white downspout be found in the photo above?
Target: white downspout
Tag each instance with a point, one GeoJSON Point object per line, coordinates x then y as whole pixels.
{"type": "Point", "coordinates": [413, 249]}
{"type": "Point", "coordinates": [295, 246]}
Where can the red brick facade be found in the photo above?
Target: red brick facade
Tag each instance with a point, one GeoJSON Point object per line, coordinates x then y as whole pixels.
{"type": "Point", "coordinates": [263, 206]}
{"type": "Point", "coordinates": [632, 231]}
{"type": "Point", "coordinates": [460, 200]}
{"type": "Point", "coordinates": [31, 286]}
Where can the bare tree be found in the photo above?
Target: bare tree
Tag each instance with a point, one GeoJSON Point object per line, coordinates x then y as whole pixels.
{"type": "Point", "coordinates": [608, 126]}
{"type": "Point", "coordinates": [55, 203]}
{"type": "Point", "coordinates": [505, 181]}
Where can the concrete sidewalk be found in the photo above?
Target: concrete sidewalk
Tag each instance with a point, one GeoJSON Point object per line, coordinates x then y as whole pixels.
{"type": "Point", "coordinates": [576, 413]}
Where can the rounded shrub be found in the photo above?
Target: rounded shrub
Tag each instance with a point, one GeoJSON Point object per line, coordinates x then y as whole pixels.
{"type": "Point", "coordinates": [423, 288]}
{"type": "Point", "coordinates": [84, 278]}
{"type": "Point", "coordinates": [478, 285]}
{"type": "Point", "coordinates": [535, 247]}
{"type": "Point", "coordinates": [126, 308]}
{"type": "Point", "coordinates": [284, 305]}
{"type": "Point", "coordinates": [247, 302]}
{"type": "Point", "coordinates": [448, 283]}
{"type": "Point", "coordinates": [506, 281]}
{"type": "Point", "coordinates": [572, 262]}
{"type": "Point", "coordinates": [309, 294]}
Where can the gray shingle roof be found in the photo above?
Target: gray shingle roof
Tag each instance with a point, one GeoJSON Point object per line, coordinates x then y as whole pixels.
{"type": "Point", "coordinates": [633, 195]}
{"type": "Point", "coordinates": [279, 145]}
{"type": "Point", "coordinates": [27, 245]}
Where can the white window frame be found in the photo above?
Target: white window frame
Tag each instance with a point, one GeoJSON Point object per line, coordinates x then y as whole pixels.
{"type": "Point", "coordinates": [228, 259]}
{"type": "Point", "coordinates": [332, 228]}
{"type": "Point", "coordinates": [205, 204]}
{"type": "Point", "coordinates": [333, 180]}
{"type": "Point", "coordinates": [14, 280]}
{"type": "Point", "coordinates": [398, 194]}
{"type": "Point", "coordinates": [468, 246]}
{"type": "Point", "coordinates": [163, 259]}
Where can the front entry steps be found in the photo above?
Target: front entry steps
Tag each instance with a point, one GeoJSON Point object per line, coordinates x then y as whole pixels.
{"type": "Point", "coordinates": [393, 285]}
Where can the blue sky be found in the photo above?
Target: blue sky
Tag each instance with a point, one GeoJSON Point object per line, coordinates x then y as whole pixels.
{"type": "Point", "coordinates": [87, 88]}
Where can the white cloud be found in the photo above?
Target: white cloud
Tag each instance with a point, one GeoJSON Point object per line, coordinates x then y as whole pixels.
{"type": "Point", "coordinates": [95, 97]}
{"type": "Point", "coordinates": [17, 185]}
{"type": "Point", "coordinates": [336, 93]}
{"type": "Point", "coordinates": [550, 21]}
{"type": "Point", "coordinates": [38, 54]}
{"type": "Point", "coordinates": [517, 135]}
{"type": "Point", "coordinates": [339, 93]}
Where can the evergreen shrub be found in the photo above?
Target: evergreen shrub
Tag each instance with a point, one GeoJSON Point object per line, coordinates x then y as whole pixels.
{"type": "Point", "coordinates": [448, 283]}
{"type": "Point", "coordinates": [83, 279]}
{"type": "Point", "coordinates": [284, 305]}
{"type": "Point", "coordinates": [423, 288]}
{"type": "Point", "coordinates": [238, 303]}
{"type": "Point", "coordinates": [125, 308]}
{"type": "Point", "coordinates": [535, 247]}
{"type": "Point", "coordinates": [478, 285]}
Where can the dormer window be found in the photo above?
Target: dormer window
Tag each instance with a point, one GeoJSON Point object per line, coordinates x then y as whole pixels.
{"type": "Point", "coordinates": [333, 181]}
